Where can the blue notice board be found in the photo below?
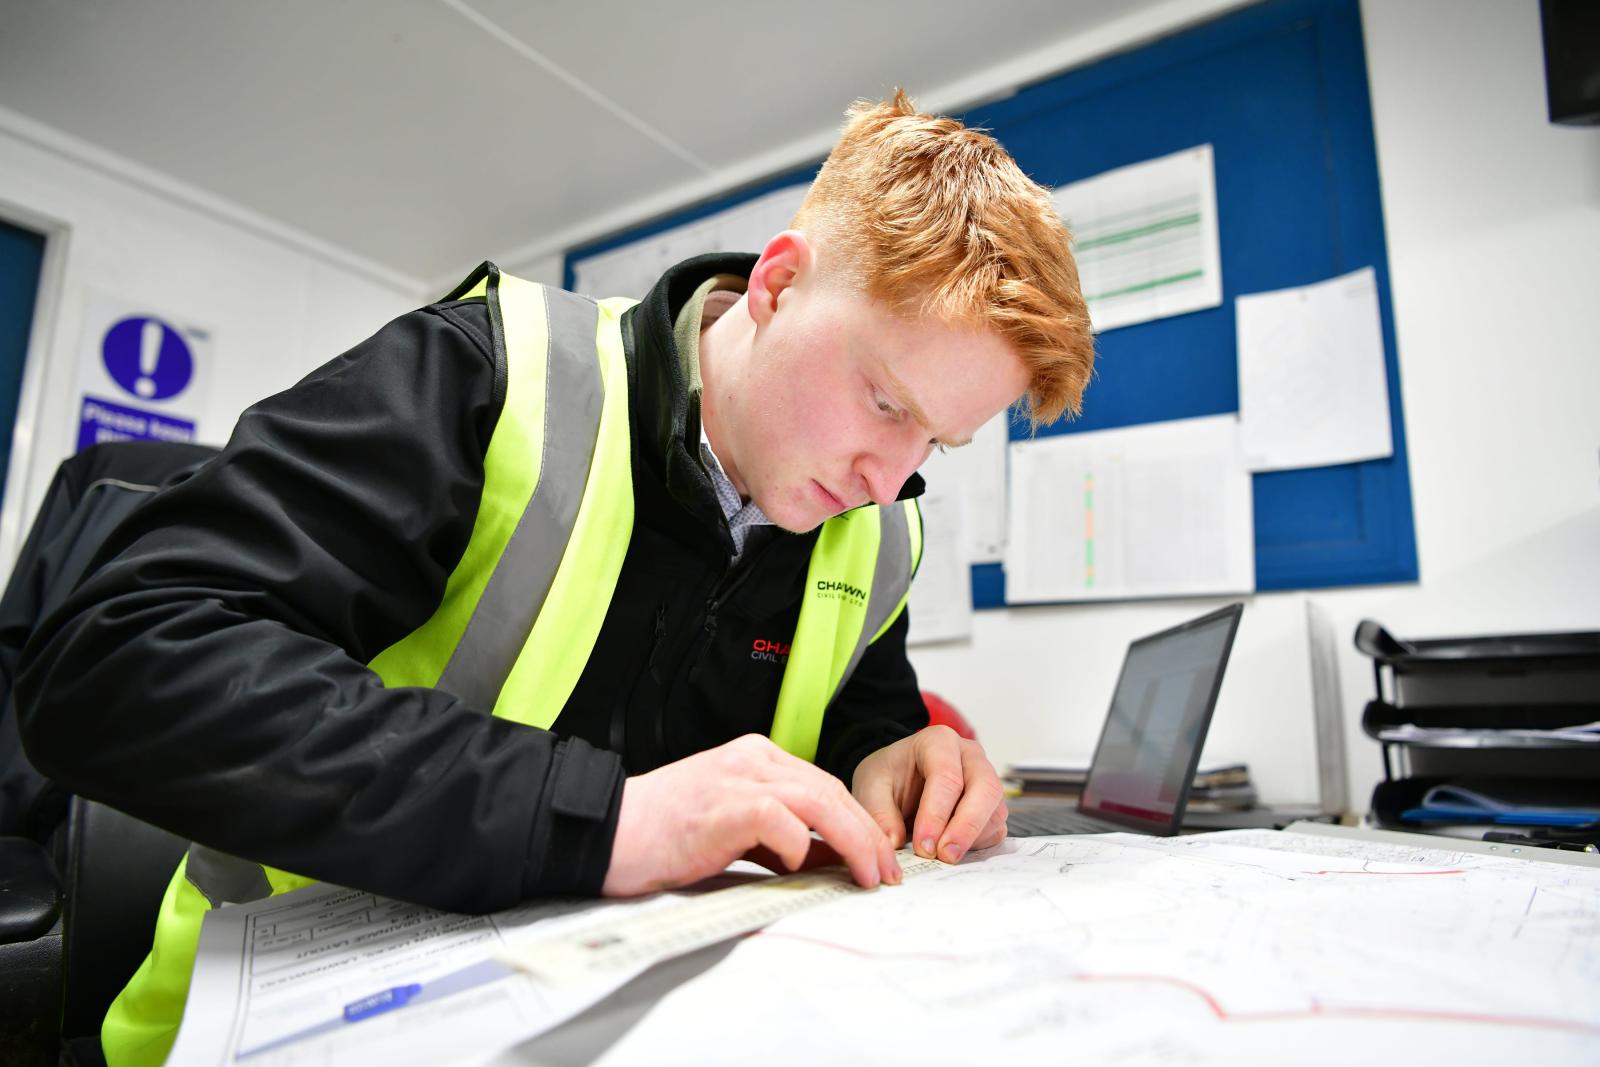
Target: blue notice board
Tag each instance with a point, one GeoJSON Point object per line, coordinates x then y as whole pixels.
{"type": "Point", "coordinates": [1280, 92]}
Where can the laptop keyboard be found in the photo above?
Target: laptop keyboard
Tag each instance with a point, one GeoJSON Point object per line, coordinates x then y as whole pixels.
{"type": "Point", "coordinates": [1045, 822]}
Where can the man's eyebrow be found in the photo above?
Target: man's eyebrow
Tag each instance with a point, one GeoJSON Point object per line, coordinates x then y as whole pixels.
{"type": "Point", "coordinates": [903, 397]}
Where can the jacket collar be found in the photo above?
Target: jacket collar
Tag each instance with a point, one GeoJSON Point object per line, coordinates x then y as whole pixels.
{"type": "Point", "coordinates": [666, 419]}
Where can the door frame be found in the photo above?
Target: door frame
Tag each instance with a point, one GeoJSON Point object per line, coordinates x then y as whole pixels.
{"type": "Point", "coordinates": [16, 511]}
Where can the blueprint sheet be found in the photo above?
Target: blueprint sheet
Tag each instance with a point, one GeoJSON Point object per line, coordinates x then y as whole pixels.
{"type": "Point", "coordinates": [1235, 948]}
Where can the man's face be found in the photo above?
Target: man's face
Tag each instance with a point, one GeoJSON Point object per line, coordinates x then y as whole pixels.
{"type": "Point", "coordinates": [842, 400]}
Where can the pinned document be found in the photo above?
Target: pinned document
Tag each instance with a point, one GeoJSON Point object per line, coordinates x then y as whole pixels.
{"type": "Point", "coordinates": [940, 605]}
{"type": "Point", "coordinates": [1162, 509]}
{"type": "Point", "coordinates": [1145, 238]}
{"type": "Point", "coordinates": [976, 472]}
{"type": "Point", "coordinates": [1312, 385]}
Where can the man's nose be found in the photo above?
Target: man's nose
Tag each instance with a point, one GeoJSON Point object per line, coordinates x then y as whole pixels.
{"type": "Point", "coordinates": [887, 470]}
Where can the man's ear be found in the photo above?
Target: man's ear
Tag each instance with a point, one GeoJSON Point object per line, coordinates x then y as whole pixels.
{"type": "Point", "coordinates": [786, 260]}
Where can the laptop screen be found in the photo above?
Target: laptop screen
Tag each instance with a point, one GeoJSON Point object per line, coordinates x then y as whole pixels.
{"type": "Point", "coordinates": [1160, 710]}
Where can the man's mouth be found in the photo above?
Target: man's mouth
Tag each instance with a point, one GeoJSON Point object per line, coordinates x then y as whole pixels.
{"type": "Point", "coordinates": [832, 501]}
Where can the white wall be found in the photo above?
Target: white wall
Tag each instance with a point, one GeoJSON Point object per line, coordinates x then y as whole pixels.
{"type": "Point", "coordinates": [546, 270]}
{"type": "Point", "coordinates": [1493, 224]}
{"type": "Point", "coordinates": [277, 303]}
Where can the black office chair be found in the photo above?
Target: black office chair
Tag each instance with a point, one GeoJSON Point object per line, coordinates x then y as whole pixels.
{"type": "Point", "coordinates": [80, 883]}
{"type": "Point", "coordinates": [72, 933]}
{"type": "Point", "coordinates": [30, 954]}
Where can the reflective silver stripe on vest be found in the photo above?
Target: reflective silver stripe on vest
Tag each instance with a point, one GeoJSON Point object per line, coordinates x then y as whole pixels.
{"type": "Point", "coordinates": [515, 592]}
{"type": "Point", "coordinates": [891, 577]}
{"type": "Point", "coordinates": [224, 879]}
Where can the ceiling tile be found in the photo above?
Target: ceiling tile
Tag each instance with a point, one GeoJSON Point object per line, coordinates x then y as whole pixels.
{"type": "Point", "coordinates": [397, 130]}
{"type": "Point", "coordinates": [732, 80]}
{"type": "Point", "coordinates": [408, 132]}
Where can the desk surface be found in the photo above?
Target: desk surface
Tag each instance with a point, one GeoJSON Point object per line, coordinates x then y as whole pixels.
{"type": "Point", "coordinates": [1458, 844]}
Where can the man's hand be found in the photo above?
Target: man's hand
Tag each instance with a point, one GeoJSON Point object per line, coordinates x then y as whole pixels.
{"type": "Point", "coordinates": [690, 819]}
{"type": "Point", "coordinates": [945, 781]}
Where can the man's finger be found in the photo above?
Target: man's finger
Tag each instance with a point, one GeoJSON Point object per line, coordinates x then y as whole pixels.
{"type": "Point", "coordinates": [943, 781]}
{"type": "Point", "coordinates": [830, 810]}
{"type": "Point", "coordinates": [878, 798]}
{"type": "Point", "coordinates": [835, 794]}
{"type": "Point", "coordinates": [820, 854]}
{"type": "Point", "coordinates": [825, 805]}
{"type": "Point", "coordinates": [995, 831]}
{"type": "Point", "coordinates": [980, 796]}
{"type": "Point", "coordinates": [780, 832]}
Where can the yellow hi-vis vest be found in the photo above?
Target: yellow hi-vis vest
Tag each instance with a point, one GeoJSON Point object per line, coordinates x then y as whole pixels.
{"type": "Point", "coordinates": [520, 613]}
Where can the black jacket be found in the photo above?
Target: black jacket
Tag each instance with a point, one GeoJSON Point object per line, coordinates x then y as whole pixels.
{"type": "Point", "coordinates": [209, 676]}
{"type": "Point", "coordinates": [91, 492]}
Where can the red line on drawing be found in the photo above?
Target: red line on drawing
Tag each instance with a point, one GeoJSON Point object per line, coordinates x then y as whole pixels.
{"type": "Point", "coordinates": [1316, 1011]}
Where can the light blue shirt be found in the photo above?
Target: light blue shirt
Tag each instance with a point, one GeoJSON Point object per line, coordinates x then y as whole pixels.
{"type": "Point", "coordinates": [740, 515]}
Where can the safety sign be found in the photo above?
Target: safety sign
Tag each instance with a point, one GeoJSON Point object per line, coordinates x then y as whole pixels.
{"type": "Point", "coordinates": [140, 374]}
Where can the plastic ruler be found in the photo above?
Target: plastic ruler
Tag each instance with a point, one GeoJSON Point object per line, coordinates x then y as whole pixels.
{"type": "Point", "coordinates": [634, 940]}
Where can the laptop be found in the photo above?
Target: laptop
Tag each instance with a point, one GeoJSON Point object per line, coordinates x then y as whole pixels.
{"type": "Point", "coordinates": [1150, 744]}
{"type": "Point", "coordinates": [1327, 710]}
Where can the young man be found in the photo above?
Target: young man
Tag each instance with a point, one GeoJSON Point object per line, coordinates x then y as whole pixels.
{"type": "Point", "coordinates": [501, 602]}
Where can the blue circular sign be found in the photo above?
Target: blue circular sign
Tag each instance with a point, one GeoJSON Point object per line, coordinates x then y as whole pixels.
{"type": "Point", "coordinates": [147, 358]}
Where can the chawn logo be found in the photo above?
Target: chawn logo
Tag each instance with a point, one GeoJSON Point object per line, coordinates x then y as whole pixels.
{"type": "Point", "coordinates": [769, 651]}
{"type": "Point", "coordinates": [830, 590]}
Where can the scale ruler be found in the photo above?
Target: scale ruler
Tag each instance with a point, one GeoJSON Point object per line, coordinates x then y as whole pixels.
{"type": "Point", "coordinates": [633, 941]}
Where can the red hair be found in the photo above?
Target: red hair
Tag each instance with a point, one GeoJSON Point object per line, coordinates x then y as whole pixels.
{"type": "Point", "coordinates": [937, 220]}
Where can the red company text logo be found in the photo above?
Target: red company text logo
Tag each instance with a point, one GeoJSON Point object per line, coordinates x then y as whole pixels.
{"type": "Point", "coordinates": [769, 651]}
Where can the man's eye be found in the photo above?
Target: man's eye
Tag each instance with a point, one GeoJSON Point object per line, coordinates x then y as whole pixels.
{"type": "Point", "coordinates": [938, 445]}
{"type": "Point", "coordinates": [886, 407]}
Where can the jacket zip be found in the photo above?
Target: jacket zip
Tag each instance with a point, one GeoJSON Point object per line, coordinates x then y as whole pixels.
{"type": "Point", "coordinates": [721, 589]}
{"type": "Point", "coordinates": [725, 587]}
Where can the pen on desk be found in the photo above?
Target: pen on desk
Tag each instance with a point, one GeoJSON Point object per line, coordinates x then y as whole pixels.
{"type": "Point", "coordinates": [378, 1003]}
{"type": "Point", "coordinates": [469, 977]}
{"type": "Point", "coordinates": [1505, 837]}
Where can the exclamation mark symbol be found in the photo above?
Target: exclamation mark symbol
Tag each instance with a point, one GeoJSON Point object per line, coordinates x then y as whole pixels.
{"type": "Point", "coordinates": [150, 338]}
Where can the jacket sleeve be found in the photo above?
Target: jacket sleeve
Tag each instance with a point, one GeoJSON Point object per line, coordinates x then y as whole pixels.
{"type": "Point", "coordinates": [209, 675]}
{"type": "Point", "coordinates": [878, 706]}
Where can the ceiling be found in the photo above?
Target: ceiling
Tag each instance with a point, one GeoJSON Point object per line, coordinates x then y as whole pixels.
{"type": "Point", "coordinates": [420, 136]}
